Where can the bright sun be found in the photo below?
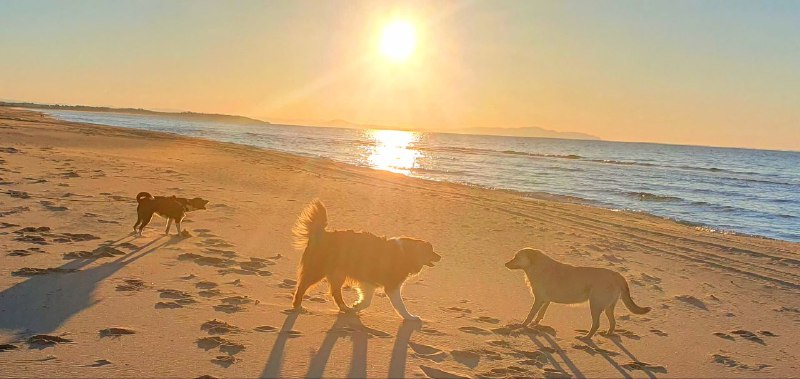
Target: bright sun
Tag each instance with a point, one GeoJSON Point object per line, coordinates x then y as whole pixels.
{"type": "Point", "coordinates": [398, 41]}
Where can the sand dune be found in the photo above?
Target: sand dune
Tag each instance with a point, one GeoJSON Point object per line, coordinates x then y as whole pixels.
{"type": "Point", "coordinates": [80, 295]}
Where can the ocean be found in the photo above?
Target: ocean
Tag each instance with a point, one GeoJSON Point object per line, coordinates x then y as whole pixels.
{"type": "Point", "coordinates": [744, 191]}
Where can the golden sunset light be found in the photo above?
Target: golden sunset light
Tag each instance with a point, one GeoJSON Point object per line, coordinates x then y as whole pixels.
{"type": "Point", "coordinates": [398, 41]}
{"type": "Point", "coordinates": [399, 189]}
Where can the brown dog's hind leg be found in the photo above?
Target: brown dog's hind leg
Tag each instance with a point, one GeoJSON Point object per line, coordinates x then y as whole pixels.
{"type": "Point", "coordinates": [306, 280]}
{"type": "Point", "coordinates": [336, 280]}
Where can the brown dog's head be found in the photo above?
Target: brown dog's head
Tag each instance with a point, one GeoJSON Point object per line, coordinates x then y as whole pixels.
{"type": "Point", "coordinates": [524, 258]}
{"type": "Point", "coordinates": [195, 204]}
{"type": "Point", "coordinates": [420, 252]}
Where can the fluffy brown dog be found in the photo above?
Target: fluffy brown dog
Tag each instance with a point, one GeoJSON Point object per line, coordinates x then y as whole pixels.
{"type": "Point", "coordinates": [361, 258]}
{"type": "Point", "coordinates": [553, 281]}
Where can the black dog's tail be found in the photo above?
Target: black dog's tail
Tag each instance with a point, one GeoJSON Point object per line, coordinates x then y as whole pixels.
{"type": "Point", "coordinates": [143, 196]}
{"type": "Point", "coordinates": [311, 222]}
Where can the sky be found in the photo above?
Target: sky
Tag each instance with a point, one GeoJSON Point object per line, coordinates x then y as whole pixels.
{"type": "Point", "coordinates": [719, 73]}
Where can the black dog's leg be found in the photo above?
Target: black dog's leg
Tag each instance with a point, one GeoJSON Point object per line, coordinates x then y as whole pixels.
{"type": "Point", "coordinates": [145, 221]}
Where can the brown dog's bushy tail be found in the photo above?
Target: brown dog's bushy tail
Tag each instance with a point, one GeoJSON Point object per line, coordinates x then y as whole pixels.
{"type": "Point", "coordinates": [626, 298]}
{"type": "Point", "coordinates": [312, 221]}
{"type": "Point", "coordinates": [143, 195]}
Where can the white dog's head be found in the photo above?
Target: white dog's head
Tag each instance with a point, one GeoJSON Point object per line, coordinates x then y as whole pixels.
{"type": "Point", "coordinates": [524, 259]}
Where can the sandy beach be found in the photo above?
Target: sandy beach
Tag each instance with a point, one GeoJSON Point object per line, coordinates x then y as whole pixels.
{"type": "Point", "coordinates": [81, 296]}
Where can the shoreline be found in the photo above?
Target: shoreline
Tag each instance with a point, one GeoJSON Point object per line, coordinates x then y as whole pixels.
{"type": "Point", "coordinates": [723, 305]}
{"type": "Point", "coordinates": [538, 195]}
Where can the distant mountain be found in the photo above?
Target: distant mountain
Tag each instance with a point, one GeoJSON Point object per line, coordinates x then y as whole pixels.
{"type": "Point", "coordinates": [531, 131]}
{"type": "Point", "coordinates": [213, 117]}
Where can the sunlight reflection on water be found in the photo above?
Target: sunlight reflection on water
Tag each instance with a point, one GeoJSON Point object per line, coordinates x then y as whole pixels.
{"type": "Point", "coordinates": [392, 150]}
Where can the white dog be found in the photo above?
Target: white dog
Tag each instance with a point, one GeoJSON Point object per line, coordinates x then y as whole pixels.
{"type": "Point", "coordinates": [553, 281]}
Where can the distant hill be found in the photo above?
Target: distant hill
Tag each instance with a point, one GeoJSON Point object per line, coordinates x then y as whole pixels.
{"type": "Point", "coordinates": [531, 131]}
{"type": "Point", "coordinates": [179, 115]}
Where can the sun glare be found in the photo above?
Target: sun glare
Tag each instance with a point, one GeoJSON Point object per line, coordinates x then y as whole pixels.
{"type": "Point", "coordinates": [398, 41]}
{"type": "Point", "coordinates": [392, 150]}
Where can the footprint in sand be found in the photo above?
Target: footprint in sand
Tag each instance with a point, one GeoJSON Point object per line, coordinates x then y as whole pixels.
{"type": "Point", "coordinates": [729, 361]}
{"type": "Point", "coordinates": [507, 372]}
{"type": "Point", "coordinates": [167, 305]}
{"type": "Point", "coordinates": [218, 327]}
{"type": "Point", "coordinates": [228, 308]}
{"type": "Point", "coordinates": [116, 332]}
{"type": "Point", "coordinates": [474, 330]}
{"type": "Point", "coordinates": [594, 350]}
{"type": "Point", "coordinates": [45, 340]}
{"type": "Point", "coordinates": [750, 336]}
{"type": "Point", "coordinates": [7, 347]}
{"type": "Point", "coordinates": [206, 285]}
{"type": "Point", "coordinates": [457, 309]}
{"type": "Point", "coordinates": [487, 319]}
{"type": "Point", "coordinates": [224, 345]}
{"type": "Point", "coordinates": [31, 271]}
{"type": "Point", "coordinates": [203, 260]}
{"type": "Point", "coordinates": [658, 332]}
{"type": "Point", "coordinates": [103, 251]}
{"type": "Point", "coordinates": [265, 328]}
{"type": "Point", "coordinates": [691, 300]}
{"type": "Point", "coordinates": [432, 332]}
{"type": "Point", "coordinates": [431, 372]}
{"type": "Point", "coordinates": [499, 343]}
{"type": "Point", "coordinates": [646, 367]}
{"type": "Point", "coordinates": [210, 293]}
{"type": "Point", "coordinates": [50, 206]}
{"type": "Point", "coordinates": [288, 283]}
{"type": "Point", "coordinates": [224, 360]}
{"type": "Point", "coordinates": [99, 363]}
{"type": "Point", "coordinates": [132, 284]}
{"type": "Point", "coordinates": [467, 358]}
{"type": "Point", "coordinates": [427, 352]}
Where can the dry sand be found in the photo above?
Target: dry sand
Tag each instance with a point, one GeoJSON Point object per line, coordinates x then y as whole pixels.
{"type": "Point", "coordinates": [81, 296]}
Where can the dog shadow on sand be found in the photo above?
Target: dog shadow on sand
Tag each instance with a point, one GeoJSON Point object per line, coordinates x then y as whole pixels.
{"type": "Point", "coordinates": [347, 325]}
{"type": "Point", "coordinates": [40, 304]}
{"type": "Point", "coordinates": [543, 338]}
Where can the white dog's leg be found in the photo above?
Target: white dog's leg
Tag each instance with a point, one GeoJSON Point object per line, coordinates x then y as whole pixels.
{"type": "Point", "coordinates": [542, 311]}
{"type": "Point", "coordinates": [537, 304]}
{"type": "Point", "coordinates": [399, 306]}
{"type": "Point", "coordinates": [366, 292]}
{"type": "Point", "coordinates": [169, 224]}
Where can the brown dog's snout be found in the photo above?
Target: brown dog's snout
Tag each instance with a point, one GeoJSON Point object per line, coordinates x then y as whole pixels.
{"type": "Point", "coordinates": [437, 257]}
{"type": "Point", "coordinates": [509, 264]}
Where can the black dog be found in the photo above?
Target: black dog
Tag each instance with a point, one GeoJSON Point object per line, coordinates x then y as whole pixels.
{"type": "Point", "coordinates": [171, 208]}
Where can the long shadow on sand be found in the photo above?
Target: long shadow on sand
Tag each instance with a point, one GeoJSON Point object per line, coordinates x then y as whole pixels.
{"type": "Point", "coordinates": [552, 347]}
{"type": "Point", "coordinates": [346, 325]}
{"type": "Point", "coordinates": [44, 302]}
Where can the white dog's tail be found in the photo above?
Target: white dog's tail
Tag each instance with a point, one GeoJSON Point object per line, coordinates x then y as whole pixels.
{"type": "Point", "coordinates": [312, 222]}
{"type": "Point", "coordinates": [626, 298]}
